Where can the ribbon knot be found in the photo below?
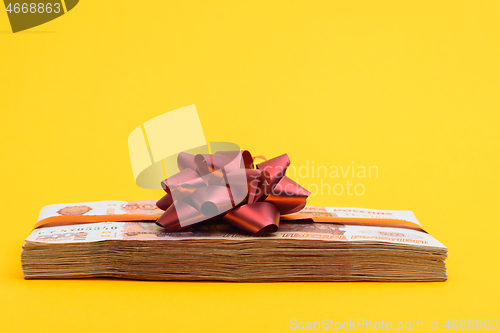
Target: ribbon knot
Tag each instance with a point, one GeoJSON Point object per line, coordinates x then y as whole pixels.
{"type": "Point", "coordinates": [228, 186]}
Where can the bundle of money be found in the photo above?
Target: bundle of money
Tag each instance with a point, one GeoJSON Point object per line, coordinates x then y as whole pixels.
{"type": "Point", "coordinates": [301, 250]}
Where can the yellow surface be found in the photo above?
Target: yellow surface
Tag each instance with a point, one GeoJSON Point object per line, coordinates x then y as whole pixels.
{"type": "Point", "coordinates": [408, 86]}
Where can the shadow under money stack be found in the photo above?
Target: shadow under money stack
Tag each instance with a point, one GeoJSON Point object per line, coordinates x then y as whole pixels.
{"type": "Point", "coordinates": [303, 249]}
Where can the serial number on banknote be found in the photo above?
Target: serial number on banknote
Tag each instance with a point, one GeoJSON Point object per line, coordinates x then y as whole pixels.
{"type": "Point", "coordinates": [32, 8]}
{"type": "Point", "coordinates": [78, 229]}
{"type": "Point", "coordinates": [471, 324]}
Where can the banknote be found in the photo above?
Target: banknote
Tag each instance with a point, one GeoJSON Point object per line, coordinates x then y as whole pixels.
{"type": "Point", "coordinates": [147, 231]}
{"type": "Point", "coordinates": [146, 210]}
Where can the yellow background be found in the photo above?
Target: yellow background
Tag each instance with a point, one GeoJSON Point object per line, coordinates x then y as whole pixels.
{"type": "Point", "coordinates": [411, 87]}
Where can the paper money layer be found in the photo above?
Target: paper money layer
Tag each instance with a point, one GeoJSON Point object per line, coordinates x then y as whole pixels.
{"type": "Point", "coordinates": [299, 251]}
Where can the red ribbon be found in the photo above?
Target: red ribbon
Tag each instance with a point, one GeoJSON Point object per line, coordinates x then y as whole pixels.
{"type": "Point", "coordinates": [226, 186]}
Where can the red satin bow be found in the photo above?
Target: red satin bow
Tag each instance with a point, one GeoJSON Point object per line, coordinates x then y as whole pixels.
{"type": "Point", "coordinates": [226, 186]}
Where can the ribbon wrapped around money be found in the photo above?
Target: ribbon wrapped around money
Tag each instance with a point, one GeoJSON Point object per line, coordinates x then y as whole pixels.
{"type": "Point", "coordinates": [228, 186]}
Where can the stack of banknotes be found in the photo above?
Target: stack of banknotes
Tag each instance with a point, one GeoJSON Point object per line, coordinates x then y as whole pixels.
{"type": "Point", "coordinates": [70, 242]}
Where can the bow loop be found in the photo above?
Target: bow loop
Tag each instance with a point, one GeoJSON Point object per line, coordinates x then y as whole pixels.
{"type": "Point", "coordinates": [276, 167]}
{"type": "Point", "coordinates": [288, 196]}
